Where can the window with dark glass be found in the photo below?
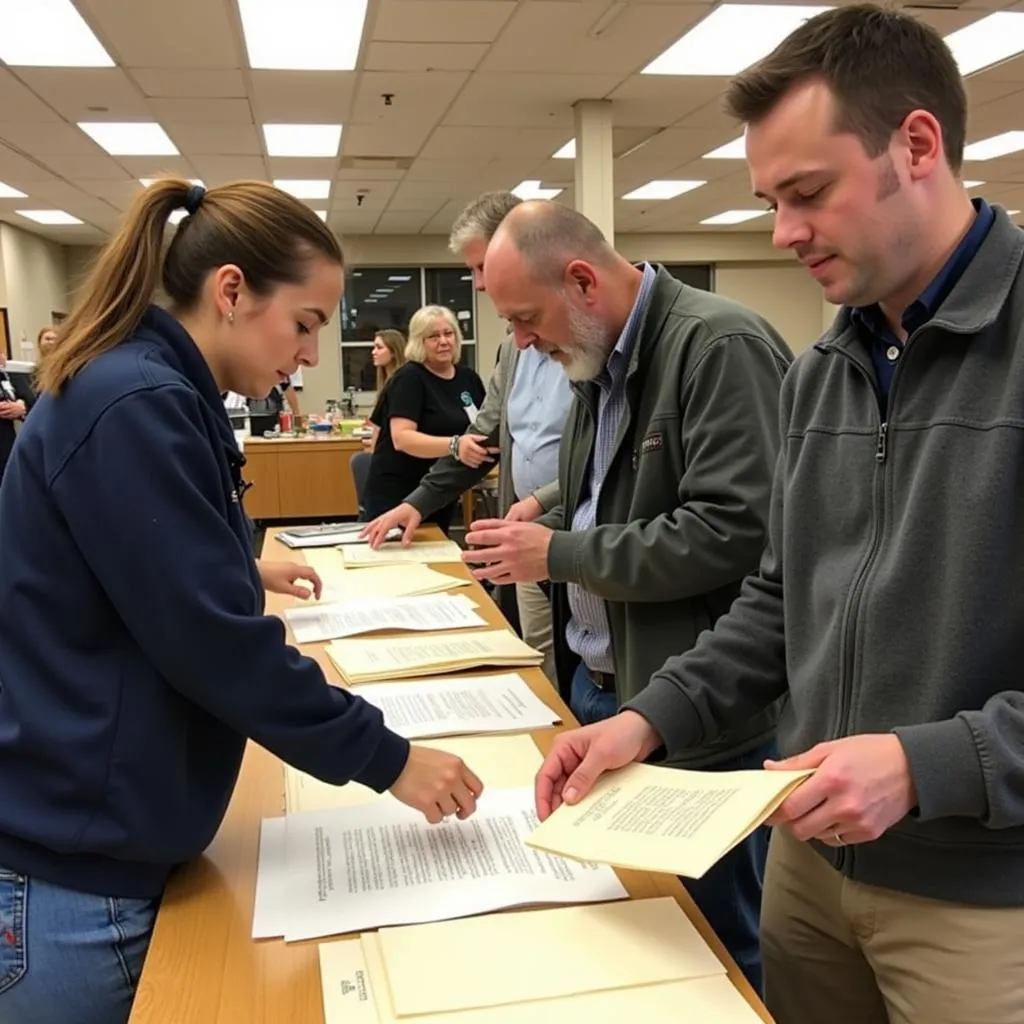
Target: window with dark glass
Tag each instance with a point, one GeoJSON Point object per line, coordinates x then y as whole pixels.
{"type": "Point", "coordinates": [697, 275]}
{"type": "Point", "coordinates": [376, 298]}
{"type": "Point", "coordinates": [452, 287]}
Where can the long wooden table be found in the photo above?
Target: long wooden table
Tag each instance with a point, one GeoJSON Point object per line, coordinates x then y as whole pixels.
{"type": "Point", "coordinates": [204, 968]}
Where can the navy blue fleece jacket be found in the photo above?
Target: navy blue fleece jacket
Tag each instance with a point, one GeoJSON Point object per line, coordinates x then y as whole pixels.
{"type": "Point", "coordinates": [135, 658]}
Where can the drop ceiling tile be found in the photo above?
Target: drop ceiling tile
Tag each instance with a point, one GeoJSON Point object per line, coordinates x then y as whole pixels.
{"type": "Point", "coordinates": [223, 83]}
{"type": "Point", "coordinates": [89, 94]}
{"type": "Point", "coordinates": [19, 103]}
{"type": "Point", "coordinates": [205, 108]}
{"type": "Point", "coordinates": [424, 56]}
{"type": "Point", "coordinates": [217, 170]}
{"type": "Point", "coordinates": [220, 139]}
{"type": "Point", "coordinates": [441, 21]}
{"type": "Point", "coordinates": [40, 139]}
{"type": "Point", "coordinates": [303, 97]}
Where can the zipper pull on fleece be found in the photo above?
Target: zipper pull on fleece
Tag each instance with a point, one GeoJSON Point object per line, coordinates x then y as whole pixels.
{"type": "Point", "coordinates": [880, 449]}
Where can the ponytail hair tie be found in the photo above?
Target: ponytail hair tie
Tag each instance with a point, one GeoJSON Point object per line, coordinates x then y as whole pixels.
{"type": "Point", "coordinates": [194, 199]}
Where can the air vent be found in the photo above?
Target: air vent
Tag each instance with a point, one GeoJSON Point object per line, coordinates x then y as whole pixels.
{"type": "Point", "coordinates": [376, 163]}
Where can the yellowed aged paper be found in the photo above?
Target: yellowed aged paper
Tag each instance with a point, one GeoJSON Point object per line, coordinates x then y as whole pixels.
{"type": "Point", "coordinates": [405, 657]}
{"type": "Point", "coordinates": [664, 819]}
{"type": "Point", "coordinates": [503, 762]}
{"type": "Point", "coordinates": [341, 584]}
{"type": "Point", "coordinates": [562, 952]}
{"type": "Point", "coordinates": [347, 992]}
{"type": "Point", "coordinates": [712, 1000]}
{"type": "Point", "coordinates": [393, 553]}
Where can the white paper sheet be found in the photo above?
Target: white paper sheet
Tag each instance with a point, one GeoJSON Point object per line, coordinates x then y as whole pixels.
{"type": "Point", "coordinates": [314, 623]}
{"type": "Point", "coordinates": [378, 864]}
{"type": "Point", "coordinates": [391, 553]}
{"type": "Point", "coordinates": [271, 880]}
{"type": "Point", "coordinates": [459, 706]}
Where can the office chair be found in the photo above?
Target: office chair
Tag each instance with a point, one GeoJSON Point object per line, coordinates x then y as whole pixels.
{"type": "Point", "coordinates": [360, 463]}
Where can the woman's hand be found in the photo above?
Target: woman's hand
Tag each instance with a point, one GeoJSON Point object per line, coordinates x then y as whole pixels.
{"type": "Point", "coordinates": [282, 577]}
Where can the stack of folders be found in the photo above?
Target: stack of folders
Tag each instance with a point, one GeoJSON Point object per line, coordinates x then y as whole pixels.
{"type": "Point", "coordinates": [328, 535]}
{"type": "Point", "coordinates": [641, 960]}
{"type": "Point", "coordinates": [370, 661]}
{"type": "Point", "coordinates": [422, 552]}
{"type": "Point", "coordinates": [379, 581]}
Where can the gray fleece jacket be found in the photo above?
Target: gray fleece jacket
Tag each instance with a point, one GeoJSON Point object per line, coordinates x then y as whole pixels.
{"type": "Point", "coordinates": [890, 595]}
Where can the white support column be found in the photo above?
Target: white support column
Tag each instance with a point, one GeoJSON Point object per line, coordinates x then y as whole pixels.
{"type": "Point", "coordinates": [595, 196]}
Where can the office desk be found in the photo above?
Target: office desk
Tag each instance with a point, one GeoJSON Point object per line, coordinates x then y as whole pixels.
{"type": "Point", "coordinates": [300, 477]}
{"type": "Point", "coordinates": [203, 967]}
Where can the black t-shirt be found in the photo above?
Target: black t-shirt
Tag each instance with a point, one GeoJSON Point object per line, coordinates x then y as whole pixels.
{"type": "Point", "coordinates": [438, 407]}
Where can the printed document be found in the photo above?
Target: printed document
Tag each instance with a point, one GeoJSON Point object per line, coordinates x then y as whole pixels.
{"type": "Point", "coordinates": [462, 705]}
{"type": "Point", "coordinates": [422, 552]}
{"type": "Point", "coordinates": [499, 762]}
{"type": "Point", "coordinates": [355, 987]}
{"type": "Point", "coordinates": [380, 863]}
{"type": "Point", "coordinates": [406, 657]}
{"type": "Point", "coordinates": [665, 819]}
{"type": "Point", "coordinates": [341, 585]}
{"type": "Point", "coordinates": [312, 624]}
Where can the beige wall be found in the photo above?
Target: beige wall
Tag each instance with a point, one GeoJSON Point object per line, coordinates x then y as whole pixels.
{"type": "Point", "coordinates": [36, 281]}
{"type": "Point", "coordinates": [748, 269]}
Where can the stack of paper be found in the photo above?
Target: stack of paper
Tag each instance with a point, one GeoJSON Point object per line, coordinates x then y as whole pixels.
{"type": "Point", "coordinates": [421, 552]}
{"type": "Point", "coordinates": [406, 657]}
{"type": "Point", "coordinates": [380, 863]}
{"type": "Point", "coordinates": [378, 582]}
{"type": "Point", "coordinates": [328, 535]}
{"type": "Point", "coordinates": [466, 704]}
{"type": "Point", "coordinates": [641, 960]}
{"type": "Point", "coordinates": [665, 819]}
{"type": "Point", "coordinates": [314, 623]}
{"type": "Point", "coordinates": [506, 762]}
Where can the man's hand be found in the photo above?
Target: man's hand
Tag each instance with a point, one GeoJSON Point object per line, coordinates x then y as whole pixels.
{"type": "Point", "coordinates": [524, 511]}
{"type": "Point", "coordinates": [578, 758]}
{"type": "Point", "coordinates": [472, 452]}
{"type": "Point", "coordinates": [12, 410]}
{"type": "Point", "coordinates": [282, 577]}
{"type": "Point", "coordinates": [861, 787]}
{"type": "Point", "coordinates": [512, 552]}
{"type": "Point", "coordinates": [403, 516]}
{"type": "Point", "coordinates": [438, 784]}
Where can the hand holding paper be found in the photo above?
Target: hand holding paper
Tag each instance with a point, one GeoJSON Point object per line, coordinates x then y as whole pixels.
{"type": "Point", "coordinates": [578, 758]}
{"type": "Point", "coordinates": [665, 819]}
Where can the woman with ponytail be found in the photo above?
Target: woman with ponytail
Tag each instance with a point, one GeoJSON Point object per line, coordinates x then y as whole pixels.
{"type": "Point", "coordinates": [135, 658]}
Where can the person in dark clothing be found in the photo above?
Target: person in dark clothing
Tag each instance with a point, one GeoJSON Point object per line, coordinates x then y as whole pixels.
{"type": "Point", "coordinates": [135, 658]}
{"type": "Point", "coordinates": [421, 415]}
{"type": "Point", "coordinates": [17, 396]}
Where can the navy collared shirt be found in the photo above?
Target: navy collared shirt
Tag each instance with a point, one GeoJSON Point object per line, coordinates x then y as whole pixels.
{"type": "Point", "coordinates": [886, 349]}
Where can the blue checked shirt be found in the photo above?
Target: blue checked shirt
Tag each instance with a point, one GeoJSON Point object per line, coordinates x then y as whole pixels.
{"type": "Point", "coordinates": [588, 632]}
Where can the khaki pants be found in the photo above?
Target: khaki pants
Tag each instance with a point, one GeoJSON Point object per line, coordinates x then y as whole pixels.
{"type": "Point", "coordinates": [840, 952]}
{"type": "Point", "coordinates": [535, 622]}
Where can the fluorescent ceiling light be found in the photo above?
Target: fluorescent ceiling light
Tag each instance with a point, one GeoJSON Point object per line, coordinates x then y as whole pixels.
{"type": "Point", "coordinates": [734, 217]}
{"type": "Point", "coordinates": [369, 298]}
{"type": "Point", "coordinates": [146, 182]}
{"type": "Point", "coordinates": [734, 150]}
{"type": "Point", "coordinates": [6, 192]}
{"type": "Point", "coordinates": [997, 145]}
{"type": "Point", "coordinates": [729, 39]}
{"type": "Point", "coordinates": [304, 188]}
{"type": "Point", "coordinates": [322, 214]}
{"type": "Point", "coordinates": [48, 34]}
{"type": "Point", "coordinates": [531, 189]}
{"type": "Point", "coordinates": [48, 216]}
{"type": "Point", "coordinates": [663, 189]}
{"type": "Point", "coordinates": [1012, 213]}
{"type": "Point", "coordinates": [400, 277]}
{"type": "Point", "coordinates": [302, 139]}
{"type": "Point", "coordinates": [972, 184]}
{"type": "Point", "coordinates": [303, 35]}
{"type": "Point", "coordinates": [987, 42]}
{"type": "Point", "coordinates": [567, 152]}
{"type": "Point", "coordinates": [130, 138]}
{"type": "Point", "coordinates": [466, 277]}
{"type": "Point", "coordinates": [177, 216]}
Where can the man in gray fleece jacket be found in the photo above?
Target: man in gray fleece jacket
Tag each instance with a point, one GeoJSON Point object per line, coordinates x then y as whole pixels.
{"type": "Point", "coordinates": [887, 612]}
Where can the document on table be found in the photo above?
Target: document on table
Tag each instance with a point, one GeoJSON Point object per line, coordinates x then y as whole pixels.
{"type": "Point", "coordinates": [354, 980]}
{"type": "Point", "coordinates": [566, 951]}
{"type": "Point", "coordinates": [314, 623]}
{"type": "Point", "coordinates": [466, 704]}
{"type": "Point", "coordinates": [421, 552]}
{"type": "Point", "coordinates": [380, 863]}
{"type": "Point", "coordinates": [499, 762]}
{"type": "Point", "coordinates": [342, 585]}
{"type": "Point", "coordinates": [329, 535]}
{"type": "Point", "coordinates": [665, 819]}
{"type": "Point", "coordinates": [271, 879]}
{"type": "Point", "coordinates": [405, 657]}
